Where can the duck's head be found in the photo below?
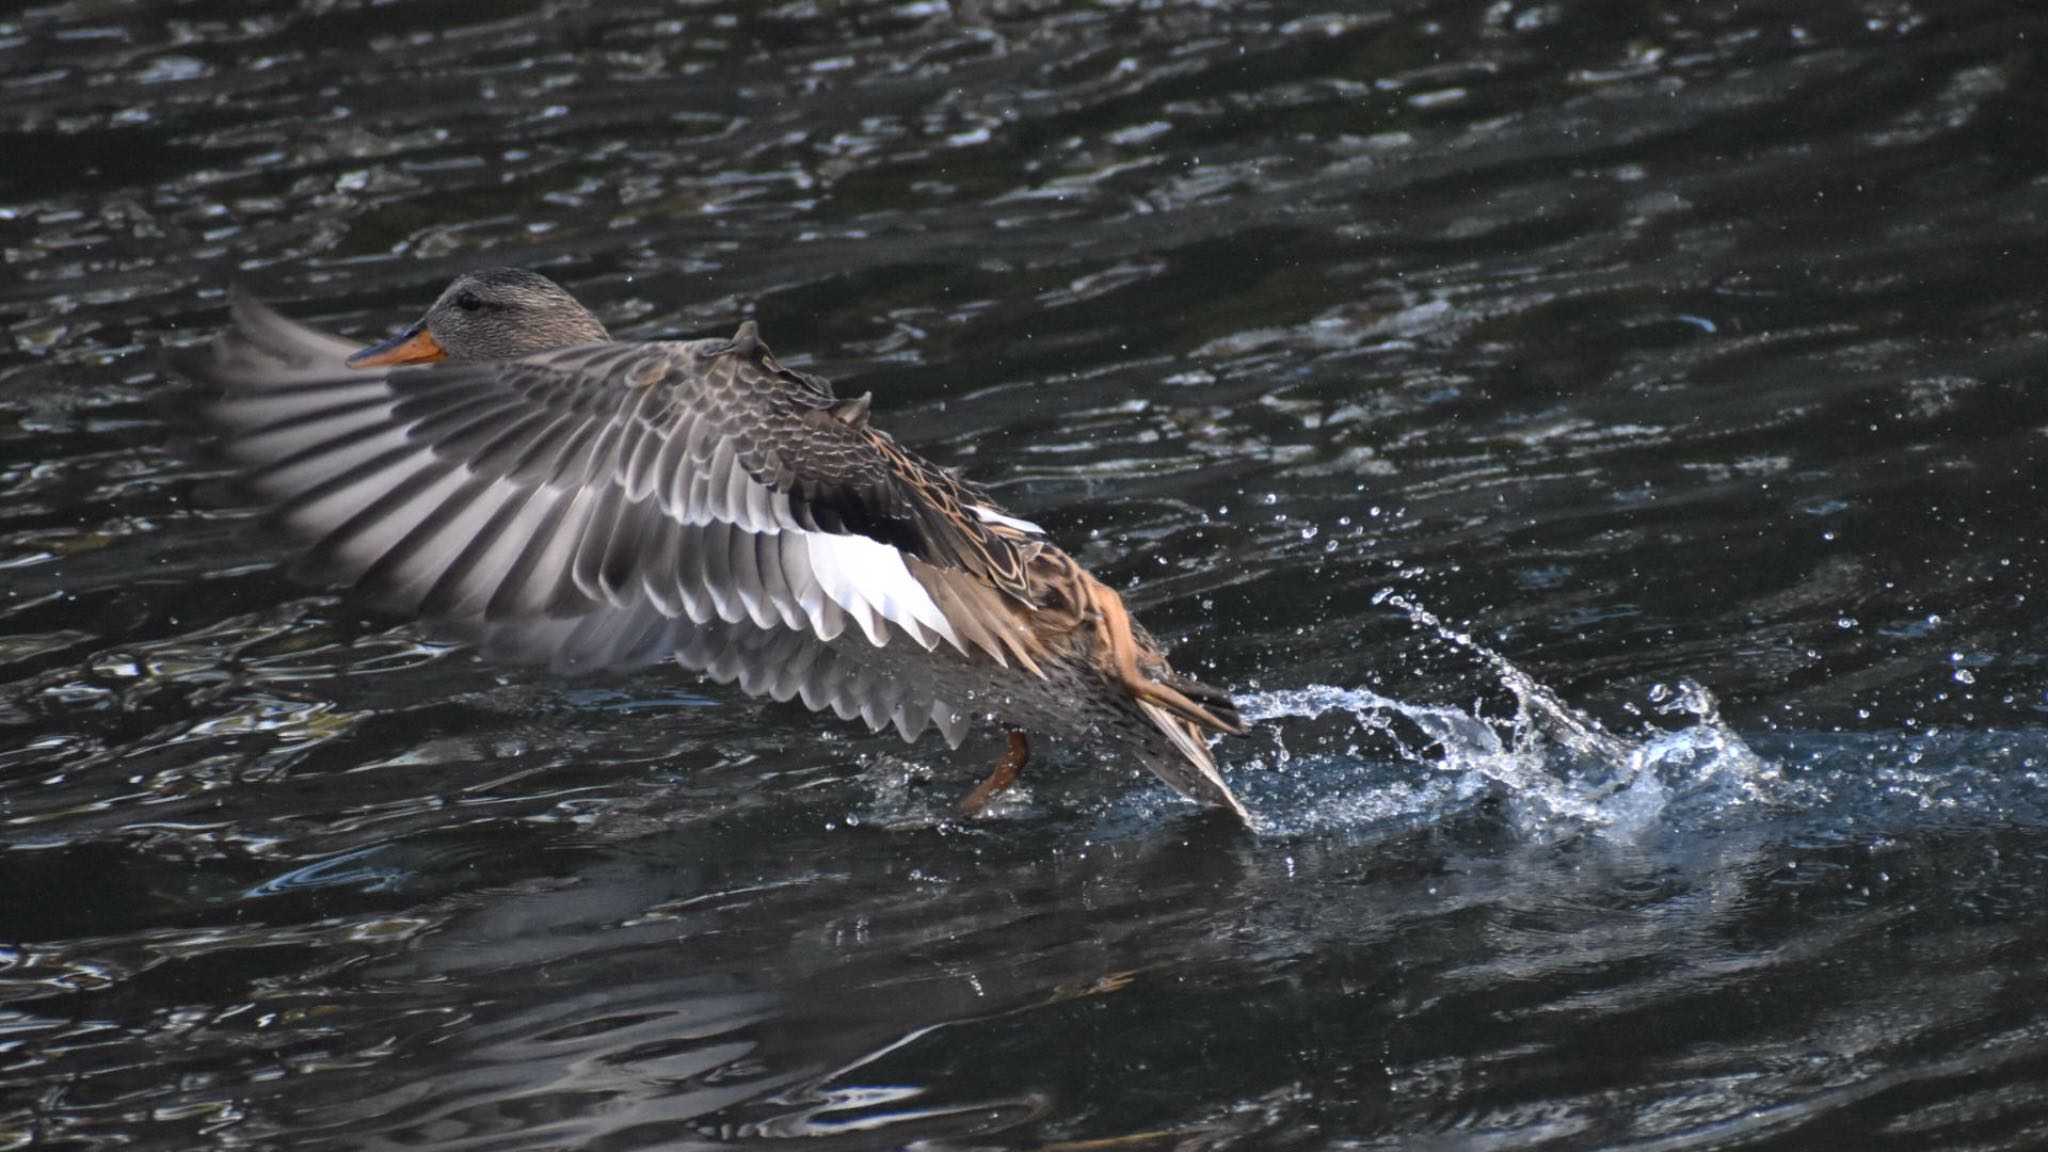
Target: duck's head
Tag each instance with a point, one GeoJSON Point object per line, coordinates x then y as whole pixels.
{"type": "Point", "coordinates": [490, 314]}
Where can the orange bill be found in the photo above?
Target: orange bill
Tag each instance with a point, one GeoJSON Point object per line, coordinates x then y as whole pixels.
{"type": "Point", "coordinates": [415, 345]}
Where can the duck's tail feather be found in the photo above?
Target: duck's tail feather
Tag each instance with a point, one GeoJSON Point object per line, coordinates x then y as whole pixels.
{"type": "Point", "coordinates": [1194, 773]}
{"type": "Point", "coordinates": [1192, 701]}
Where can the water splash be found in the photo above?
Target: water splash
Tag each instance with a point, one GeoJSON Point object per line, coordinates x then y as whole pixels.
{"type": "Point", "coordinates": [1559, 772]}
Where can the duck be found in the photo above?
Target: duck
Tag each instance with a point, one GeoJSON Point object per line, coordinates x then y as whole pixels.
{"type": "Point", "coordinates": [506, 472]}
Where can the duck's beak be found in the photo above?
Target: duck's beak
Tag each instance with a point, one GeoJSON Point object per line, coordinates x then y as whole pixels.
{"type": "Point", "coordinates": [415, 345]}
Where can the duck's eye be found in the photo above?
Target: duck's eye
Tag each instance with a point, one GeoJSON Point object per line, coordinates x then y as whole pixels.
{"type": "Point", "coordinates": [468, 302]}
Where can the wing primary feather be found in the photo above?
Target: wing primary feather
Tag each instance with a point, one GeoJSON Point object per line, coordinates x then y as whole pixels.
{"type": "Point", "coordinates": [403, 567]}
{"type": "Point", "coordinates": [692, 579]}
{"type": "Point", "coordinates": [484, 562]}
{"type": "Point", "coordinates": [250, 415]}
{"type": "Point", "coordinates": [746, 577]}
{"type": "Point", "coordinates": [637, 471]}
{"type": "Point", "coordinates": [565, 462]}
{"type": "Point", "coordinates": [658, 569]}
{"type": "Point", "coordinates": [596, 541]}
{"type": "Point", "coordinates": [539, 582]}
{"type": "Point", "coordinates": [345, 490]}
{"type": "Point", "coordinates": [634, 535]}
{"type": "Point", "coordinates": [716, 544]}
{"type": "Point", "coordinates": [777, 593]}
{"type": "Point", "coordinates": [671, 465]}
{"type": "Point", "coordinates": [287, 474]}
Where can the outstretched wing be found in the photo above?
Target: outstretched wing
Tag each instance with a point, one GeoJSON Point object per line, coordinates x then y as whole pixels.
{"type": "Point", "coordinates": [905, 688]}
{"type": "Point", "coordinates": [701, 479]}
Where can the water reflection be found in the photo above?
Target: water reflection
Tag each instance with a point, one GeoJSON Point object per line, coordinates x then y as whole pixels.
{"type": "Point", "coordinates": [1396, 981]}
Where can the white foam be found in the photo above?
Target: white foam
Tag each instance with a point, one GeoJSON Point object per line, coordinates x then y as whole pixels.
{"type": "Point", "coordinates": [1560, 773]}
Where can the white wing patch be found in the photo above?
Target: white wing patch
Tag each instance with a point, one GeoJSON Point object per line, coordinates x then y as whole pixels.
{"type": "Point", "coordinates": [989, 515]}
{"type": "Point", "coordinates": [869, 579]}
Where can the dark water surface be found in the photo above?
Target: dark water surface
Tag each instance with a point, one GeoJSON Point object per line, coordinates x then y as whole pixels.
{"type": "Point", "coordinates": [1444, 378]}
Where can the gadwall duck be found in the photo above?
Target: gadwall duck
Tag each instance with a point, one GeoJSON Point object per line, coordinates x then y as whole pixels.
{"type": "Point", "coordinates": [509, 473]}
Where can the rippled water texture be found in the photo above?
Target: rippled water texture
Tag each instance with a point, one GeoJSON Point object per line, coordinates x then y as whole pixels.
{"type": "Point", "coordinates": [1599, 441]}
